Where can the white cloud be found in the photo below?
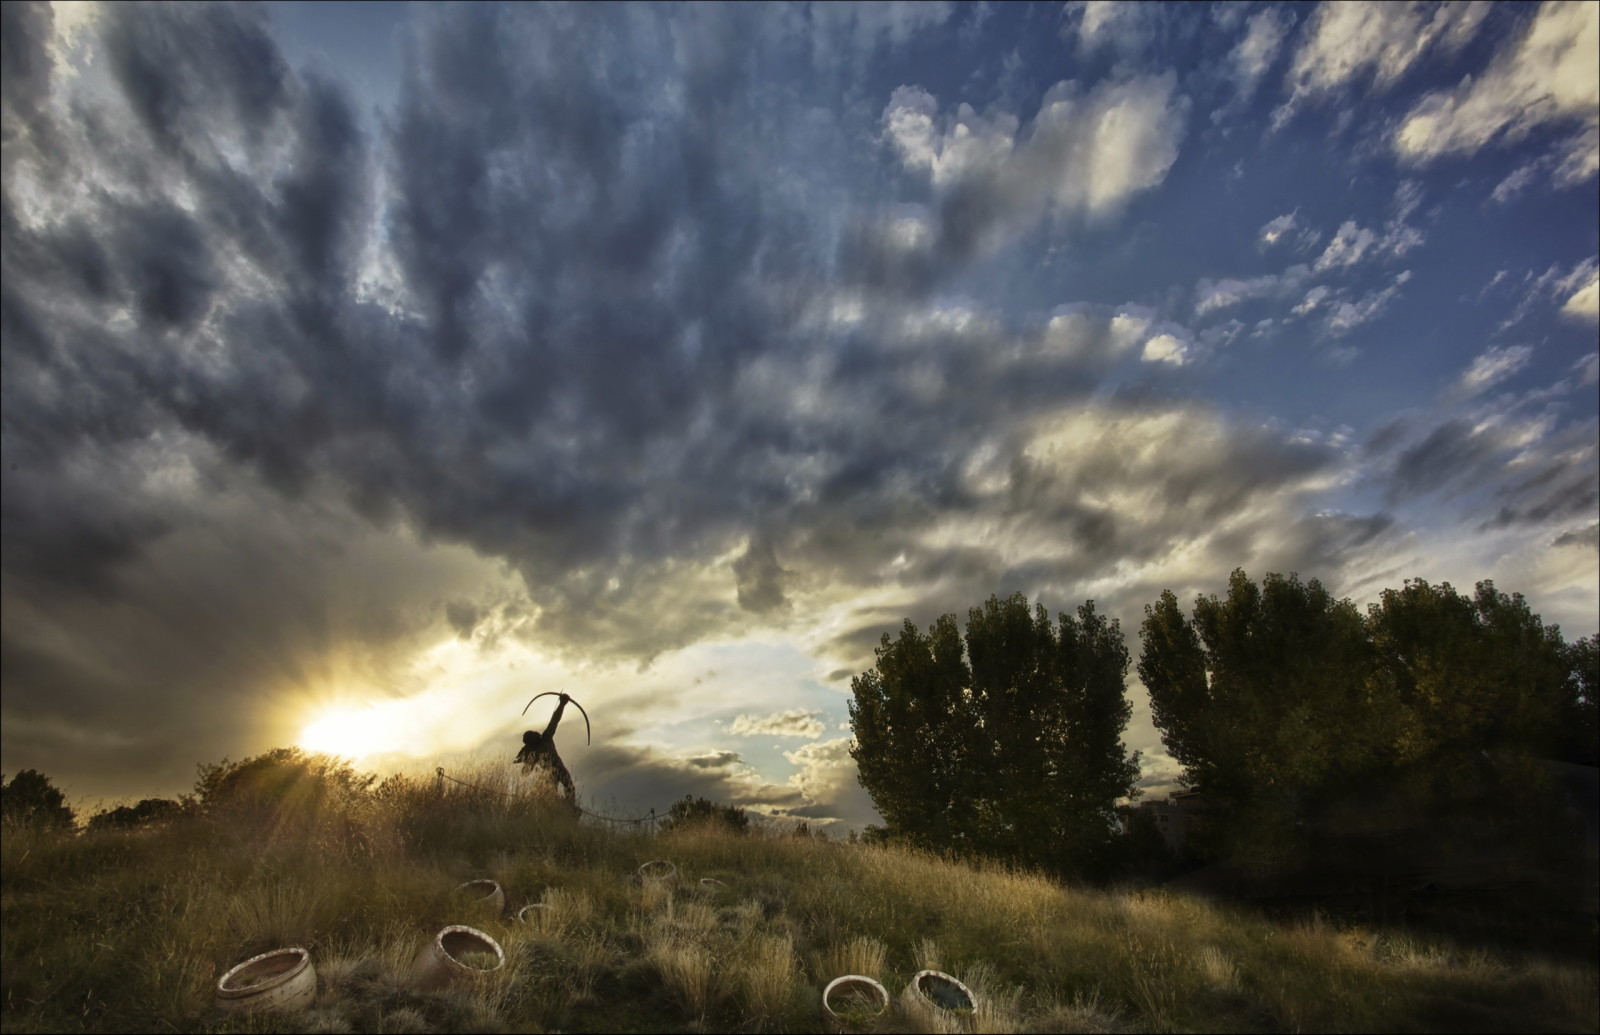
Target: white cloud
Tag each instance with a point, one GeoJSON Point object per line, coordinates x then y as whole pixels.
{"type": "Point", "coordinates": [1515, 182]}
{"type": "Point", "coordinates": [1347, 248]}
{"type": "Point", "coordinates": [1577, 160]}
{"type": "Point", "coordinates": [796, 722]}
{"type": "Point", "coordinates": [72, 22]}
{"type": "Point", "coordinates": [1493, 366]}
{"type": "Point", "coordinates": [1575, 287]}
{"type": "Point", "coordinates": [1344, 317]}
{"type": "Point", "coordinates": [1272, 230]}
{"type": "Point", "coordinates": [1256, 51]}
{"type": "Point", "coordinates": [1407, 199]}
{"type": "Point", "coordinates": [1584, 303]}
{"type": "Point", "coordinates": [1551, 74]}
{"type": "Point", "coordinates": [1096, 152]}
{"type": "Point", "coordinates": [1314, 298]}
{"type": "Point", "coordinates": [1084, 153]}
{"type": "Point", "coordinates": [1350, 41]}
{"type": "Point", "coordinates": [1166, 348]}
{"type": "Point", "coordinates": [1211, 295]}
{"type": "Point", "coordinates": [1353, 242]}
{"type": "Point", "coordinates": [1119, 24]}
{"type": "Point", "coordinates": [972, 145]}
{"type": "Point", "coordinates": [828, 782]}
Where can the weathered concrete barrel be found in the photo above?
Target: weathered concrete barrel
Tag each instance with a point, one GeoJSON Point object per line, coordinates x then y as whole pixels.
{"type": "Point", "coordinates": [457, 953]}
{"type": "Point", "coordinates": [485, 895]}
{"type": "Point", "coordinates": [854, 1001]}
{"type": "Point", "coordinates": [282, 980]}
{"type": "Point", "coordinates": [940, 1001]}
{"type": "Point", "coordinates": [657, 871]}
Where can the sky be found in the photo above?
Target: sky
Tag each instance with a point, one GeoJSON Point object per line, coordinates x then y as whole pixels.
{"type": "Point", "coordinates": [371, 368]}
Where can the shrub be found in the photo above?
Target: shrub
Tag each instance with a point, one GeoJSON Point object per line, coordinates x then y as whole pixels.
{"type": "Point", "coordinates": [692, 812]}
{"type": "Point", "coordinates": [126, 817]}
{"type": "Point", "coordinates": [31, 800]}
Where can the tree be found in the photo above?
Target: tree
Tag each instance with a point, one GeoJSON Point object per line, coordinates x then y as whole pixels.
{"type": "Point", "coordinates": [1280, 700]}
{"type": "Point", "coordinates": [1265, 689]}
{"type": "Point", "coordinates": [1008, 744]}
{"type": "Point", "coordinates": [1263, 699]}
{"type": "Point", "coordinates": [31, 800]}
{"type": "Point", "coordinates": [1465, 675]}
{"type": "Point", "coordinates": [1582, 733]}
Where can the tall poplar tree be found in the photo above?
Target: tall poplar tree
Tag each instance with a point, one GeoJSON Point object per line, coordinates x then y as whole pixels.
{"type": "Point", "coordinates": [1263, 698]}
{"type": "Point", "coordinates": [1280, 701]}
{"type": "Point", "coordinates": [1009, 744]}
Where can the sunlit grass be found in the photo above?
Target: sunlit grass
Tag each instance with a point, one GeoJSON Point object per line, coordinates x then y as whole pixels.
{"type": "Point", "coordinates": [129, 930]}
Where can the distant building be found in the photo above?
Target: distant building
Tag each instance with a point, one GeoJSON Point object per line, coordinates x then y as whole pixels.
{"type": "Point", "coordinates": [1175, 816]}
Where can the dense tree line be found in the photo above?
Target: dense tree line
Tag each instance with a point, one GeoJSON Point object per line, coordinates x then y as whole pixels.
{"type": "Point", "coordinates": [1279, 700]}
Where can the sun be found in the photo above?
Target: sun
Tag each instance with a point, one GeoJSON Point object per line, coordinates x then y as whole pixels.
{"type": "Point", "coordinates": [350, 733]}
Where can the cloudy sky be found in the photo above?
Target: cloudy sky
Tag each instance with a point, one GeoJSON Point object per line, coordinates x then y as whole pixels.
{"type": "Point", "coordinates": [371, 368]}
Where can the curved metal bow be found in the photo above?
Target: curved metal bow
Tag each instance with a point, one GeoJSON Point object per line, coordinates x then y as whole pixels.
{"type": "Point", "coordinates": [588, 733]}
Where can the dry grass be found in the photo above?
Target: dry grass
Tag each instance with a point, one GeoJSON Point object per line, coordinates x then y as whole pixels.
{"type": "Point", "coordinates": [130, 929]}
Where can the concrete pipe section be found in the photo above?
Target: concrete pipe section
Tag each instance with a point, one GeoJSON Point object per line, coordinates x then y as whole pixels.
{"type": "Point", "coordinates": [854, 1002]}
{"type": "Point", "coordinates": [457, 953]}
{"type": "Point", "coordinates": [657, 871]}
{"type": "Point", "coordinates": [939, 1000]}
{"type": "Point", "coordinates": [282, 980]}
{"type": "Point", "coordinates": [484, 895]}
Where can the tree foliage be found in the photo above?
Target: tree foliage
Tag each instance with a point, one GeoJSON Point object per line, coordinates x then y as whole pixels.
{"type": "Point", "coordinates": [1462, 673]}
{"type": "Point", "coordinates": [1006, 743]}
{"type": "Point", "coordinates": [1263, 694]}
{"type": "Point", "coordinates": [285, 783]}
{"type": "Point", "coordinates": [1581, 732]}
{"type": "Point", "coordinates": [1278, 697]}
{"type": "Point", "coordinates": [690, 812]}
{"type": "Point", "coordinates": [145, 813]}
{"type": "Point", "coordinates": [31, 800]}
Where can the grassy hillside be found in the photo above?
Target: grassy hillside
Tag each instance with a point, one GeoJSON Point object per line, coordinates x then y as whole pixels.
{"type": "Point", "coordinates": [128, 930]}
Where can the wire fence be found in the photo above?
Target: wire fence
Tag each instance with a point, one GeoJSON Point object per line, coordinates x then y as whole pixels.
{"type": "Point", "coordinates": [651, 817]}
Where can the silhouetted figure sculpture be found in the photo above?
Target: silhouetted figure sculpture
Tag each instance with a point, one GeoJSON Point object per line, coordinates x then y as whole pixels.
{"type": "Point", "coordinates": [539, 752]}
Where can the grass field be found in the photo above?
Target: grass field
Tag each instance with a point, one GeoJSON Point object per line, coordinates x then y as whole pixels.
{"type": "Point", "coordinates": [129, 931]}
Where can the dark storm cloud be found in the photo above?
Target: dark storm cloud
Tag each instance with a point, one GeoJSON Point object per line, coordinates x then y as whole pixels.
{"type": "Point", "coordinates": [1449, 451]}
{"type": "Point", "coordinates": [715, 760]}
{"type": "Point", "coordinates": [759, 578]}
{"type": "Point", "coordinates": [195, 69]}
{"type": "Point", "coordinates": [571, 306]}
{"type": "Point", "coordinates": [1581, 537]}
{"type": "Point", "coordinates": [463, 617]}
{"type": "Point", "coordinates": [581, 357]}
{"type": "Point", "coordinates": [1387, 435]}
{"type": "Point", "coordinates": [1500, 464]}
{"type": "Point", "coordinates": [1575, 496]}
{"type": "Point", "coordinates": [25, 61]}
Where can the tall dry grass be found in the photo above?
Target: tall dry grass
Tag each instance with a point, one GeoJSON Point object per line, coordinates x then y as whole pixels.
{"type": "Point", "coordinates": [129, 930]}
